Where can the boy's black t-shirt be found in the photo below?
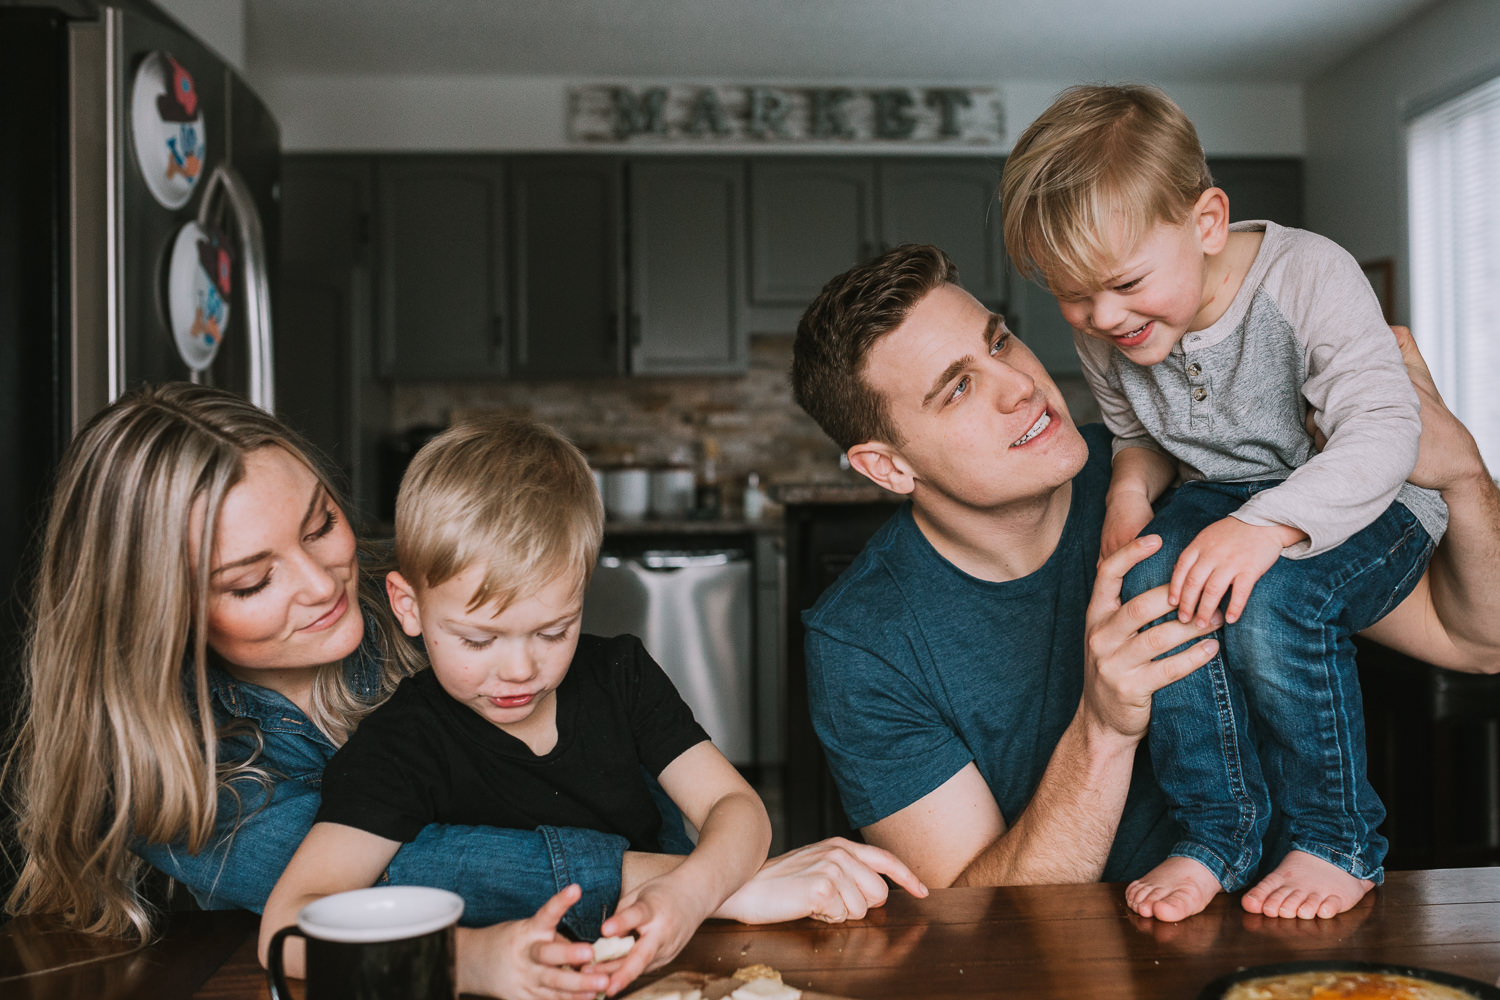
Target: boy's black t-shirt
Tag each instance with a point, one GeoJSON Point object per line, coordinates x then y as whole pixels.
{"type": "Point", "coordinates": [424, 758]}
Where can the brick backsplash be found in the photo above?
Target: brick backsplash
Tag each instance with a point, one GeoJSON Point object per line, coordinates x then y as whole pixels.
{"type": "Point", "coordinates": [651, 420]}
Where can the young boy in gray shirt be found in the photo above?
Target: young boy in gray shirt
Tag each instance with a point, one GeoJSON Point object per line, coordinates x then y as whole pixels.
{"type": "Point", "coordinates": [1207, 345]}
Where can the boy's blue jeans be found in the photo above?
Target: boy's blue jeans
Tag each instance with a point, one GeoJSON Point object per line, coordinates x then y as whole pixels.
{"type": "Point", "coordinates": [1276, 716]}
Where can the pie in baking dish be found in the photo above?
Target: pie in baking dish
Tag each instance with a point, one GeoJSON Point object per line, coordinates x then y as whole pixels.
{"type": "Point", "coordinates": [1334, 985]}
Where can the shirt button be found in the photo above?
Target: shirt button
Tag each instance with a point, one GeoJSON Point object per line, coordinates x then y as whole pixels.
{"type": "Point", "coordinates": [1200, 394]}
{"type": "Point", "coordinates": [1194, 369]}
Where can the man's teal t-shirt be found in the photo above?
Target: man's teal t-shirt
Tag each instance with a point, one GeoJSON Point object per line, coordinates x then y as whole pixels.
{"type": "Point", "coordinates": [915, 668]}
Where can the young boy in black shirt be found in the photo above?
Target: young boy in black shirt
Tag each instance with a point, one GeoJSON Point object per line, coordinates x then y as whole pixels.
{"type": "Point", "coordinates": [522, 722]}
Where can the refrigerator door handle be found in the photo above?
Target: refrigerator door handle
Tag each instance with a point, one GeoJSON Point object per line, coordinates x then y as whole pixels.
{"type": "Point", "coordinates": [252, 250]}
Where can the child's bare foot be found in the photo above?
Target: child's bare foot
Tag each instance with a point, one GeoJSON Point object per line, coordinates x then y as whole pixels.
{"type": "Point", "coordinates": [1305, 886]}
{"type": "Point", "coordinates": [1173, 890]}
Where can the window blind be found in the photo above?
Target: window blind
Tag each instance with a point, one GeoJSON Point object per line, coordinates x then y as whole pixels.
{"type": "Point", "coordinates": [1453, 176]}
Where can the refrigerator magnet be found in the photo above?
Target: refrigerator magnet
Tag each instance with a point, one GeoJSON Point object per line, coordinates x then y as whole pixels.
{"type": "Point", "coordinates": [167, 126]}
{"type": "Point", "coordinates": [199, 276]}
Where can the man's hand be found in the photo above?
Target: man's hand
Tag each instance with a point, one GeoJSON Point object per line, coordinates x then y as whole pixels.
{"type": "Point", "coordinates": [1451, 619]}
{"type": "Point", "coordinates": [528, 959]}
{"type": "Point", "coordinates": [832, 880]}
{"type": "Point", "coordinates": [1447, 455]}
{"type": "Point", "coordinates": [1227, 557]}
{"type": "Point", "coordinates": [1120, 670]}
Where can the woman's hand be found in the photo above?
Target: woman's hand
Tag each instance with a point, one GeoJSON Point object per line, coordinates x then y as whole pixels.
{"type": "Point", "coordinates": [528, 959]}
{"type": "Point", "coordinates": [832, 880]}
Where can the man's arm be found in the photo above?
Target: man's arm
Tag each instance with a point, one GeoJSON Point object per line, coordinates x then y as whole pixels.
{"type": "Point", "coordinates": [955, 835]}
{"type": "Point", "coordinates": [940, 833]}
{"type": "Point", "coordinates": [1452, 618]}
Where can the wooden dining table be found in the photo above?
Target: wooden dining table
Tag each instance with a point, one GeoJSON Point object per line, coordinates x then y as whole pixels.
{"type": "Point", "coordinates": [1078, 942]}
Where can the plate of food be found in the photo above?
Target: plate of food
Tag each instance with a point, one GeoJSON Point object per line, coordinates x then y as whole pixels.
{"type": "Point", "coordinates": [1341, 980]}
{"type": "Point", "coordinates": [753, 982]}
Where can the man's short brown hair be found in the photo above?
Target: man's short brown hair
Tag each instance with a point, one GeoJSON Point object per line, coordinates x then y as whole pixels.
{"type": "Point", "coordinates": [1102, 162]}
{"type": "Point", "coordinates": [836, 333]}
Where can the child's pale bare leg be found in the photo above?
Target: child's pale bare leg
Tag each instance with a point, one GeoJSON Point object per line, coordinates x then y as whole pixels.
{"type": "Point", "coordinates": [1305, 886]}
{"type": "Point", "coordinates": [1173, 890]}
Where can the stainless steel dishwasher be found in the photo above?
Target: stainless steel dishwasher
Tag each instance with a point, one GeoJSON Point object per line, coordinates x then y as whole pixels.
{"type": "Point", "coordinates": [692, 610]}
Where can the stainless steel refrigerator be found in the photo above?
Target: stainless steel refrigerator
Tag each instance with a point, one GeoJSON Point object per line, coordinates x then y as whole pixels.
{"type": "Point", "coordinates": [138, 214]}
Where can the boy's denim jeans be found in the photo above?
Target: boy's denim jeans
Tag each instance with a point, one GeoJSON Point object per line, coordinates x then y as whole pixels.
{"type": "Point", "coordinates": [1276, 717]}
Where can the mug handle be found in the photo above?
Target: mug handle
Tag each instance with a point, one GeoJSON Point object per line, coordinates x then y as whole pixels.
{"type": "Point", "coordinates": [275, 974]}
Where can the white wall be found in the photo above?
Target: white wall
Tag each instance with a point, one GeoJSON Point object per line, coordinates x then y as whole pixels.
{"type": "Point", "coordinates": [526, 114]}
{"type": "Point", "coordinates": [498, 113]}
{"type": "Point", "coordinates": [1356, 112]}
{"type": "Point", "coordinates": [219, 24]}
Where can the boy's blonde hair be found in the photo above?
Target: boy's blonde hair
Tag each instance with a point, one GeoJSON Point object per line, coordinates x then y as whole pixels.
{"type": "Point", "coordinates": [509, 494]}
{"type": "Point", "coordinates": [1102, 163]}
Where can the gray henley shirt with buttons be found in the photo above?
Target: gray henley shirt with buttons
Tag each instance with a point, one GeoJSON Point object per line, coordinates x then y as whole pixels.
{"type": "Point", "coordinates": [1230, 401]}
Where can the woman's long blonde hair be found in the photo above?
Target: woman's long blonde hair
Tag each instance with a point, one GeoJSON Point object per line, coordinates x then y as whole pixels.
{"type": "Point", "coordinates": [119, 742]}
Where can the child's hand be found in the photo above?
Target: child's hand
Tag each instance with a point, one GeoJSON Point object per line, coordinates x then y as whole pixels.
{"type": "Point", "coordinates": [1125, 516]}
{"type": "Point", "coordinates": [1228, 556]}
{"type": "Point", "coordinates": [528, 959]}
{"type": "Point", "coordinates": [662, 917]}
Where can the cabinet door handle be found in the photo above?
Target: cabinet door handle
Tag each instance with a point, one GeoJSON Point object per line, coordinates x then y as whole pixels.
{"type": "Point", "coordinates": [635, 330]}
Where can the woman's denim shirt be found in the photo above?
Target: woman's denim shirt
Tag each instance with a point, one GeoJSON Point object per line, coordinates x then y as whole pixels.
{"type": "Point", "coordinates": [501, 874]}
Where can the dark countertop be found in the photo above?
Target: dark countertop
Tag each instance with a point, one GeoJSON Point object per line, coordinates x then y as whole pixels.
{"type": "Point", "coordinates": [769, 525]}
{"type": "Point", "coordinates": [852, 491]}
{"type": "Point", "coordinates": [653, 527]}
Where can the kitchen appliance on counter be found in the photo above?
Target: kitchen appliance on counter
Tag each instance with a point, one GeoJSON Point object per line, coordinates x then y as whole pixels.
{"type": "Point", "coordinates": [627, 492]}
{"type": "Point", "coordinates": [138, 180]}
{"type": "Point", "coordinates": [692, 610]}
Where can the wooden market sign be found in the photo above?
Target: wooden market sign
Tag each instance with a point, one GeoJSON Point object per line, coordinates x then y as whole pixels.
{"type": "Point", "coordinates": [709, 115]}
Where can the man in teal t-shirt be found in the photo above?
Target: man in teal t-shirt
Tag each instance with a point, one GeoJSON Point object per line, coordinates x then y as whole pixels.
{"type": "Point", "coordinates": [978, 686]}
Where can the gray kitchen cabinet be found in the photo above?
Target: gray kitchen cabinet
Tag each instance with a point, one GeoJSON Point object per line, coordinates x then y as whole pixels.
{"type": "Point", "coordinates": [566, 217]}
{"type": "Point", "coordinates": [687, 236]}
{"type": "Point", "coordinates": [809, 219]}
{"type": "Point", "coordinates": [812, 218]}
{"type": "Point", "coordinates": [442, 292]}
{"type": "Point", "coordinates": [325, 385]}
{"type": "Point", "coordinates": [952, 204]}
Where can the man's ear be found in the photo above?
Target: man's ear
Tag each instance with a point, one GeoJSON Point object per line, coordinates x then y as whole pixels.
{"type": "Point", "coordinates": [883, 466]}
{"type": "Point", "coordinates": [1211, 216]}
{"type": "Point", "coordinates": [403, 598]}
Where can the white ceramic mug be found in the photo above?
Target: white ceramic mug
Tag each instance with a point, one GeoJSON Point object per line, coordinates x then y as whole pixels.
{"type": "Point", "coordinates": [392, 942]}
{"type": "Point", "coordinates": [627, 493]}
{"type": "Point", "coordinates": [672, 491]}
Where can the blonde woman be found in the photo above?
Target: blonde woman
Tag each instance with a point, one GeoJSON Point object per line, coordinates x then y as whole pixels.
{"type": "Point", "coordinates": [203, 641]}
